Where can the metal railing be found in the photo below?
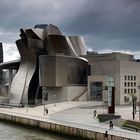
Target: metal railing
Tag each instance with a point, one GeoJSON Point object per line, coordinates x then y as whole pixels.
{"type": "Point", "coordinates": [115, 132]}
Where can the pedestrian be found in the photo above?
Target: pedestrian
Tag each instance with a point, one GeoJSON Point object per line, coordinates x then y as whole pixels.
{"type": "Point", "coordinates": [110, 125]}
{"type": "Point", "coordinates": [94, 113]}
{"type": "Point", "coordinates": [45, 110]}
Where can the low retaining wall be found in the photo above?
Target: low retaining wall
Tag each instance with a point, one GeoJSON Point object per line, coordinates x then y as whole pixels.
{"type": "Point", "coordinates": [77, 132]}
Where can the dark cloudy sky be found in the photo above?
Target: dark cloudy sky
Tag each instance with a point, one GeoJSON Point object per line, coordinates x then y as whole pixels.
{"type": "Point", "coordinates": [106, 25]}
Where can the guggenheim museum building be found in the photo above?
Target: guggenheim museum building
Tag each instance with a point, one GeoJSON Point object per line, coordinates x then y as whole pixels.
{"type": "Point", "coordinates": [50, 68]}
{"type": "Point", "coordinates": [56, 68]}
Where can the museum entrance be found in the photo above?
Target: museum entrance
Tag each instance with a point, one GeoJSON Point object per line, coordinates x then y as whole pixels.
{"type": "Point", "coordinates": [96, 91]}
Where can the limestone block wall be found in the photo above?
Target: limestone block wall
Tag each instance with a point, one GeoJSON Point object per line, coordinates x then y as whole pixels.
{"type": "Point", "coordinates": [64, 129]}
{"type": "Point", "coordinates": [129, 69]}
{"type": "Point", "coordinates": [75, 91]}
{"type": "Point", "coordinates": [66, 93]}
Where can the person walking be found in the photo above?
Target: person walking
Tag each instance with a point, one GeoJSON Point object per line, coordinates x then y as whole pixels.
{"type": "Point", "coordinates": [94, 113]}
{"type": "Point", "coordinates": [45, 110]}
{"type": "Point", "coordinates": [110, 125]}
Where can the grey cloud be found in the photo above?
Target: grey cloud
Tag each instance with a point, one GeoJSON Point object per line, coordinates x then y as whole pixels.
{"type": "Point", "coordinates": [105, 24]}
{"type": "Point", "coordinates": [109, 24]}
{"type": "Point", "coordinates": [30, 12]}
{"type": "Point", "coordinates": [100, 43]}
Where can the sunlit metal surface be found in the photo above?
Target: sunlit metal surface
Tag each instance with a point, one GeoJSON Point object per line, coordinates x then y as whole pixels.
{"type": "Point", "coordinates": [78, 45]}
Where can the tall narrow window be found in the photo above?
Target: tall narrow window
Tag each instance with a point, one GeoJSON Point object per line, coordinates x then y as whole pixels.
{"type": "Point", "coordinates": [125, 77]}
{"type": "Point", "coordinates": [125, 90]}
{"type": "Point", "coordinates": [134, 84]}
{"type": "Point", "coordinates": [125, 84]}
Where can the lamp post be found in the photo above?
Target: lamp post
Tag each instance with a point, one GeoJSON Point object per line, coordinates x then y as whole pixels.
{"type": "Point", "coordinates": [44, 97]}
{"type": "Point", "coordinates": [133, 113]}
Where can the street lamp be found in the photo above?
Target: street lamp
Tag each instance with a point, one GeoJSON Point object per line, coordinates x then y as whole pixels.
{"type": "Point", "coordinates": [134, 105]}
{"type": "Point", "coordinates": [44, 97]}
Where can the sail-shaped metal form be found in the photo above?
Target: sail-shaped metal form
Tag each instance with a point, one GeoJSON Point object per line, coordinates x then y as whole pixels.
{"type": "Point", "coordinates": [46, 57]}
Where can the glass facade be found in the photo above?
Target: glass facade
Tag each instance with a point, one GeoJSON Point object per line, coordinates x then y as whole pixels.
{"type": "Point", "coordinates": [96, 91]}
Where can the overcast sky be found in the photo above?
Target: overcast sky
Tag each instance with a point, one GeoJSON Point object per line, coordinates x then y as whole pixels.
{"type": "Point", "coordinates": [106, 25]}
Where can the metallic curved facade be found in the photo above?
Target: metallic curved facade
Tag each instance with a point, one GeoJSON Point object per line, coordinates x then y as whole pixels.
{"type": "Point", "coordinates": [21, 83]}
{"type": "Point", "coordinates": [79, 44]}
{"type": "Point", "coordinates": [1, 53]}
{"type": "Point", "coordinates": [46, 57]}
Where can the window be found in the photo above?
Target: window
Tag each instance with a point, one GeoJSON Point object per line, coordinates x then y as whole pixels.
{"type": "Point", "coordinates": [128, 84]}
{"type": "Point", "coordinates": [96, 91]}
{"type": "Point", "coordinates": [125, 77]}
{"type": "Point", "coordinates": [134, 84]}
{"type": "Point", "coordinates": [128, 77]}
{"type": "Point", "coordinates": [131, 77]}
{"type": "Point", "coordinates": [125, 84]}
{"type": "Point", "coordinates": [134, 78]}
{"type": "Point", "coordinates": [125, 90]}
{"type": "Point", "coordinates": [131, 90]}
{"type": "Point", "coordinates": [131, 84]}
{"type": "Point", "coordinates": [134, 90]}
{"type": "Point", "coordinates": [128, 90]}
{"type": "Point", "coordinates": [126, 98]}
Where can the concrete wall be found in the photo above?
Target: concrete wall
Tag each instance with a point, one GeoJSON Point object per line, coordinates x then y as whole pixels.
{"type": "Point", "coordinates": [129, 69]}
{"type": "Point", "coordinates": [109, 57]}
{"type": "Point", "coordinates": [72, 131]}
{"type": "Point", "coordinates": [66, 93]}
{"type": "Point", "coordinates": [4, 90]}
{"type": "Point", "coordinates": [118, 69]}
{"type": "Point", "coordinates": [84, 97]}
{"type": "Point", "coordinates": [117, 65]}
{"type": "Point", "coordinates": [58, 71]}
{"type": "Point", "coordinates": [105, 68]}
{"type": "Point", "coordinates": [75, 91]}
{"type": "Point", "coordinates": [57, 94]}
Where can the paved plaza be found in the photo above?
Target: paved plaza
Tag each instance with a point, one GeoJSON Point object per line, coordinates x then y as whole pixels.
{"type": "Point", "coordinates": [77, 114]}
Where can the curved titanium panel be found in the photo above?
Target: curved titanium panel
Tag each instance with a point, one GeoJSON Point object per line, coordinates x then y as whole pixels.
{"type": "Point", "coordinates": [53, 30]}
{"type": "Point", "coordinates": [78, 44]}
{"type": "Point", "coordinates": [21, 81]}
{"type": "Point", "coordinates": [61, 46]}
{"type": "Point", "coordinates": [58, 71]}
{"type": "Point", "coordinates": [35, 33]}
{"type": "Point", "coordinates": [1, 53]}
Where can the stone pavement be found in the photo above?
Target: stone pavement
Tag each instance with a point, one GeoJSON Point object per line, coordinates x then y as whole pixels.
{"type": "Point", "coordinates": [77, 114]}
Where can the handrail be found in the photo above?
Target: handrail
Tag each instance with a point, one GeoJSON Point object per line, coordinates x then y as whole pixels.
{"type": "Point", "coordinates": [125, 134]}
{"type": "Point", "coordinates": [114, 132]}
